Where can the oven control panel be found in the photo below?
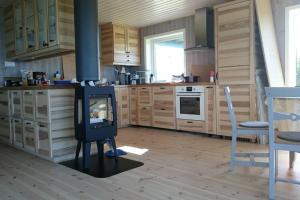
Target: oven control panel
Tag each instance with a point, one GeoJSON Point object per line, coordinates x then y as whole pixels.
{"type": "Point", "coordinates": [189, 89]}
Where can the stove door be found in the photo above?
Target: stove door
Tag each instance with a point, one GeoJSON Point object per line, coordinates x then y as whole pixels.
{"type": "Point", "coordinates": [190, 107]}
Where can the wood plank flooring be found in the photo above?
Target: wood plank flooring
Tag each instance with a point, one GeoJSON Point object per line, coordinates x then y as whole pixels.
{"type": "Point", "coordinates": [177, 166]}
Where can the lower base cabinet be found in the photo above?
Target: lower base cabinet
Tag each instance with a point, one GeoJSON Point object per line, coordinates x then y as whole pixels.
{"type": "Point", "coordinates": [5, 129]}
{"type": "Point", "coordinates": [145, 115]}
{"type": "Point", "coordinates": [191, 125]}
{"type": "Point", "coordinates": [17, 129]}
{"type": "Point", "coordinates": [29, 132]}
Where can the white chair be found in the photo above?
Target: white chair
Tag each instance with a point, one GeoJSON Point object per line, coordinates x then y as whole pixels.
{"type": "Point", "coordinates": [286, 141]}
{"type": "Point", "coordinates": [258, 128]}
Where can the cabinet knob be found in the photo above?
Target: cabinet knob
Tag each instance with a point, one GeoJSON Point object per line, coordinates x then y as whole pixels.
{"type": "Point", "coordinates": [189, 122]}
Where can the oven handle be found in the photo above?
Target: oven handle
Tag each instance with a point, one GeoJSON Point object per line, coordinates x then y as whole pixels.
{"type": "Point", "coordinates": [190, 95]}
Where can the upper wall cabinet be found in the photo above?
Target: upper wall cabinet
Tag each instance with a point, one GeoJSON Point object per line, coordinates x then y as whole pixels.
{"type": "Point", "coordinates": [39, 28]}
{"type": "Point", "coordinates": [120, 45]}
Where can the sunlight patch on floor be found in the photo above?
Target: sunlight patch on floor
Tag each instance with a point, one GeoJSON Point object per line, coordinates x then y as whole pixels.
{"type": "Point", "coordinates": [133, 150]}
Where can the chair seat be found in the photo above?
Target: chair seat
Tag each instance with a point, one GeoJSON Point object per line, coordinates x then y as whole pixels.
{"type": "Point", "coordinates": [289, 136]}
{"type": "Point", "coordinates": [254, 124]}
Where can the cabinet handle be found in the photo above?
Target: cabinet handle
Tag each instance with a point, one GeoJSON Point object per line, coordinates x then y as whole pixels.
{"type": "Point", "coordinates": [42, 126]}
{"type": "Point", "coordinates": [217, 76]}
{"type": "Point", "coordinates": [52, 40]}
{"type": "Point", "coordinates": [127, 56]}
{"type": "Point", "coordinates": [2, 118]}
{"type": "Point", "coordinates": [1, 92]}
{"type": "Point", "coordinates": [127, 52]}
{"type": "Point", "coordinates": [28, 123]}
{"type": "Point", "coordinates": [189, 122]}
{"type": "Point", "coordinates": [40, 92]}
{"type": "Point", "coordinates": [27, 93]}
{"type": "Point", "coordinates": [162, 109]}
{"type": "Point", "coordinates": [128, 60]}
{"type": "Point", "coordinates": [162, 88]}
{"type": "Point", "coordinates": [30, 46]}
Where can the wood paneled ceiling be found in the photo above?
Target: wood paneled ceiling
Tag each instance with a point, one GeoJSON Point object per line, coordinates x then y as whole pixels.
{"type": "Point", "coordinates": [142, 13]}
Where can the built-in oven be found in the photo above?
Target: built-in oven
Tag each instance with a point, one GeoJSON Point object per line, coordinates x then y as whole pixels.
{"type": "Point", "coordinates": [190, 102]}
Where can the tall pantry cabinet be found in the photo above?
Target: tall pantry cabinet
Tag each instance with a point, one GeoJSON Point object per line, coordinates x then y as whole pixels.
{"type": "Point", "coordinates": [237, 56]}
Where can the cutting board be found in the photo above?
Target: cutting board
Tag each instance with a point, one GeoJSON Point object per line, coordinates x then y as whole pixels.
{"type": "Point", "coordinates": [202, 71]}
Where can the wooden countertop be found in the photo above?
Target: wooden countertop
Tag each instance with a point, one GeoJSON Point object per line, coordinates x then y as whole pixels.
{"type": "Point", "coordinates": [46, 87]}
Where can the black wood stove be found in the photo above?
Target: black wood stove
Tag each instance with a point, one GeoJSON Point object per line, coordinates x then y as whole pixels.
{"type": "Point", "coordinates": [95, 120]}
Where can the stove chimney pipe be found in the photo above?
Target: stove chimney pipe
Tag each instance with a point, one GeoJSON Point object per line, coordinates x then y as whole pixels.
{"type": "Point", "coordinates": [86, 40]}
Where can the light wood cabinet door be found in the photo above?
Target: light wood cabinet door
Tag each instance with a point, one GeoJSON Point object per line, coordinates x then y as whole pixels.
{"type": "Point", "coordinates": [29, 132]}
{"type": "Point", "coordinates": [17, 129]}
{"type": "Point", "coordinates": [145, 96]}
{"type": "Point", "coordinates": [164, 114]}
{"type": "Point", "coordinates": [29, 104]}
{"type": "Point", "coordinates": [124, 106]}
{"type": "Point", "coordinates": [244, 103]}
{"type": "Point", "coordinates": [43, 139]}
{"type": "Point", "coordinates": [234, 25]}
{"type": "Point", "coordinates": [16, 103]}
{"type": "Point", "coordinates": [5, 103]}
{"type": "Point", "coordinates": [133, 46]}
{"type": "Point", "coordinates": [133, 106]}
{"type": "Point", "coordinates": [5, 129]}
{"type": "Point", "coordinates": [42, 105]}
{"type": "Point", "coordinates": [145, 115]}
{"type": "Point", "coordinates": [120, 46]}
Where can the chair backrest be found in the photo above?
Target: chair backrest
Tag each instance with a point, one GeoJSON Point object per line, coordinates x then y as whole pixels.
{"type": "Point", "coordinates": [273, 93]}
{"type": "Point", "coordinates": [230, 107]}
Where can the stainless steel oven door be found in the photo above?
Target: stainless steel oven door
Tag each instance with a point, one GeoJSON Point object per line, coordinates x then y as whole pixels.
{"type": "Point", "coordinates": [190, 106]}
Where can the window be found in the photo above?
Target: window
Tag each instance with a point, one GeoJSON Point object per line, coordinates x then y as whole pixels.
{"type": "Point", "coordinates": [164, 55]}
{"type": "Point", "coordinates": [292, 46]}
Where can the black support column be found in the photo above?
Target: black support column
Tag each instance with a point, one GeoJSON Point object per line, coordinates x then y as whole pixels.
{"type": "Point", "coordinates": [86, 39]}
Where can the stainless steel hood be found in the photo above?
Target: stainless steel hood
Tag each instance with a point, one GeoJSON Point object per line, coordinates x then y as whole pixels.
{"type": "Point", "coordinates": [204, 29]}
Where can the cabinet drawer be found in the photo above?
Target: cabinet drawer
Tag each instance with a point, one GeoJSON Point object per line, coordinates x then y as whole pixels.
{"type": "Point", "coordinates": [17, 127]}
{"type": "Point", "coordinates": [4, 103]}
{"type": "Point", "coordinates": [16, 104]}
{"type": "Point", "coordinates": [145, 96]}
{"type": "Point", "coordinates": [28, 105]}
{"type": "Point", "coordinates": [43, 139]}
{"type": "Point", "coordinates": [164, 119]}
{"type": "Point", "coordinates": [5, 129]}
{"type": "Point", "coordinates": [29, 132]}
{"type": "Point", "coordinates": [163, 93]}
{"type": "Point", "coordinates": [191, 125]}
{"type": "Point", "coordinates": [145, 116]}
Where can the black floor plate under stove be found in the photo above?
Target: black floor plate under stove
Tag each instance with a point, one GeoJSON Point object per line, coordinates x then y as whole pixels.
{"type": "Point", "coordinates": [105, 166]}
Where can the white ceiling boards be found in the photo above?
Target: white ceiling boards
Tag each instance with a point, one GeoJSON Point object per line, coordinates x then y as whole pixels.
{"type": "Point", "coordinates": [147, 12]}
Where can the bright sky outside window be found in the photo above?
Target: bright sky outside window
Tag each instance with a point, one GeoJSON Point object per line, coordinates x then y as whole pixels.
{"type": "Point", "coordinates": [293, 46]}
{"type": "Point", "coordinates": [165, 55]}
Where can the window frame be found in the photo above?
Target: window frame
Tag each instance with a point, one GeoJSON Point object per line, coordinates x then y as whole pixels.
{"type": "Point", "coordinates": [161, 37]}
{"type": "Point", "coordinates": [288, 72]}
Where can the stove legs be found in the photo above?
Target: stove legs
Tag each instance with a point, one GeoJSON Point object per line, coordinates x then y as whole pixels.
{"type": "Point", "coordinates": [77, 151]}
{"type": "Point", "coordinates": [100, 147]}
{"type": "Point", "coordinates": [86, 154]}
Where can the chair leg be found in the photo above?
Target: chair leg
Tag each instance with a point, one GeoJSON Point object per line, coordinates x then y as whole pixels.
{"type": "Point", "coordinates": [276, 163]}
{"type": "Point", "coordinates": [272, 174]}
{"type": "Point", "coordinates": [233, 150]}
{"type": "Point", "coordinates": [292, 159]}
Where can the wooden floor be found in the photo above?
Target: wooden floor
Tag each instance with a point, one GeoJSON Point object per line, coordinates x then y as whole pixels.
{"type": "Point", "coordinates": [177, 166]}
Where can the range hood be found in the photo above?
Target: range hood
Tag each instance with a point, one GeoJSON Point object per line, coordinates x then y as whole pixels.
{"type": "Point", "coordinates": [204, 29]}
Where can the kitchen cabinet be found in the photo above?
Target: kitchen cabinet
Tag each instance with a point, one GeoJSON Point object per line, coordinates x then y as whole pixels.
{"type": "Point", "coordinates": [41, 28]}
{"type": "Point", "coordinates": [30, 24]}
{"type": "Point", "coordinates": [5, 103]}
{"type": "Point", "coordinates": [164, 113]}
{"type": "Point", "coordinates": [243, 100]}
{"type": "Point", "coordinates": [19, 27]}
{"type": "Point", "coordinates": [17, 130]}
{"type": "Point", "coordinates": [145, 106]}
{"type": "Point", "coordinates": [120, 45]}
{"type": "Point", "coordinates": [191, 125]}
{"type": "Point", "coordinates": [5, 129]}
{"type": "Point", "coordinates": [30, 135]}
{"type": "Point", "coordinates": [238, 55]}
{"type": "Point", "coordinates": [133, 106]}
{"type": "Point", "coordinates": [29, 104]}
{"type": "Point", "coordinates": [122, 99]}
{"type": "Point", "coordinates": [16, 103]}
